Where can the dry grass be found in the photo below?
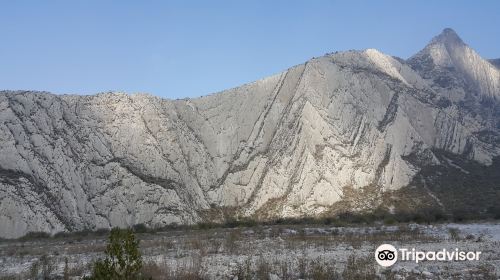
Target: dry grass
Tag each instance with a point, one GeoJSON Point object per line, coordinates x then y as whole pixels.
{"type": "Point", "coordinates": [359, 268]}
{"type": "Point", "coordinates": [334, 238]}
{"type": "Point", "coordinates": [185, 271]}
{"type": "Point", "coordinates": [231, 242]}
{"type": "Point", "coordinates": [282, 251]}
{"type": "Point", "coordinates": [302, 268]}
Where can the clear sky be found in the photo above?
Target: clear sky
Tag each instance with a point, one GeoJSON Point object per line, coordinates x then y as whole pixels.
{"type": "Point", "coordinates": [179, 49]}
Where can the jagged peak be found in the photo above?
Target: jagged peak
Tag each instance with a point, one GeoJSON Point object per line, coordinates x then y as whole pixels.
{"type": "Point", "coordinates": [449, 37]}
{"type": "Point", "coordinates": [441, 45]}
{"type": "Point", "coordinates": [448, 51]}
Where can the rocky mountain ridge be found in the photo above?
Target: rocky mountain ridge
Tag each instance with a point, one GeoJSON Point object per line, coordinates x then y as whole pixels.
{"type": "Point", "coordinates": [495, 62]}
{"type": "Point", "coordinates": [331, 135]}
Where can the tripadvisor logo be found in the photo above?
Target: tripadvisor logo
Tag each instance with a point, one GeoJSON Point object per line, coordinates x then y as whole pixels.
{"type": "Point", "coordinates": [387, 255]}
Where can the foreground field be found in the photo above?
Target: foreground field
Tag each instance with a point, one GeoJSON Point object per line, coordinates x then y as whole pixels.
{"type": "Point", "coordinates": [267, 252]}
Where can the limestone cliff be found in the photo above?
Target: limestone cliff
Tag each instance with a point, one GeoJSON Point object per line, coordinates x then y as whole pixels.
{"type": "Point", "coordinates": [291, 145]}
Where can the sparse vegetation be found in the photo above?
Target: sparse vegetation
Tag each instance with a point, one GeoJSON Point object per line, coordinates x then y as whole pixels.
{"type": "Point", "coordinates": [34, 236]}
{"type": "Point", "coordinates": [343, 219]}
{"type": "Point", "coordinates": [454, 234]}
{"type": "Point", "coordinates": [323, 271]}
{"type": "Point", "coordinates": [162, 271]}
{"type": "Point", "coordinates": [42, 268]}
{"type": "Point", "coordinates": [261, 252]}
{"type": "Point", "coordinates": [359, 268]}
{"type": "Point", "coordinates": [123, 259]}
{"type": "Point", "coordinates": [232, 238]}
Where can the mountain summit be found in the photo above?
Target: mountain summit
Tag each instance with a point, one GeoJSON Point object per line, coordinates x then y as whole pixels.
{"type": "Point", "coordinates": [448, 37]}
{"type": "Point", "coordinates": [449, 62]}
{"type": "Point", "coordinates": [352, 131]}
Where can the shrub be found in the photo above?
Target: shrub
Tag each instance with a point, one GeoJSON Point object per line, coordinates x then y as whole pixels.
{"type": "Point", "coordinates": [140, 228]}
{"type": "Point", "coordinates": [454, 234]}
{"type": "Point", "coordinates": [123, 259]}
{"type": "Point", "coordinates": [102, 231]}
{"type": "Point", "coordinates": [390, 221]}
{"type": "Point", "coordinates": [42, 268]}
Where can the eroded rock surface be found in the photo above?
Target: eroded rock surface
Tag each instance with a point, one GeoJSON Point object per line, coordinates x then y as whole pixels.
{"type": "Point", "coordinates": [290, 145]}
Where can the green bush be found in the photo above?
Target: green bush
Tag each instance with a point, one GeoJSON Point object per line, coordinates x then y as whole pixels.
{"type": "Point", "coordinates": [390, 221]}
{"type": "Point", "coordinates": [140, 228]}
{"type": "Point", "coordinates": [123, 259]}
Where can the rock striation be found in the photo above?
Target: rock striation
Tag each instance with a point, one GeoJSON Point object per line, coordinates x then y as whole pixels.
{"type": "Point", "coordinates": [343, 128]}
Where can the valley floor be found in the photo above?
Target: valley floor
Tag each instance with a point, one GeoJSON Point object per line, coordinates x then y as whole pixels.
{"type": "Point", "coordinates": [269, 252]}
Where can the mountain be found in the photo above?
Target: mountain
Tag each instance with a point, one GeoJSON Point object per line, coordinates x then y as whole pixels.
{"type": "Point", "coordinates": [450, 63]}
{"type": "Point", "coordinates": [350, 131]}
{"type": "Point", "coordinates": [495, 62]}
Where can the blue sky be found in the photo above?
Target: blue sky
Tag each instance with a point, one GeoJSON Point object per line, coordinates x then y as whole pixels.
{"type": "Point", "coordinates": [179, 49]}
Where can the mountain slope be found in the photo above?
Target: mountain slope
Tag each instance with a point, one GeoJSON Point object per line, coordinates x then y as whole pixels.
{"type": "Point", "coordinates": [495, 62]}
{"type": "Point", "coordinates": [331, 135]}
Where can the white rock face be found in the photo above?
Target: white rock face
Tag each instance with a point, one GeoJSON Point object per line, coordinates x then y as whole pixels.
{"type": "Point", "coordinates": [448, 53]}
{"type": "Point", "coordinates": [286, 146]}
